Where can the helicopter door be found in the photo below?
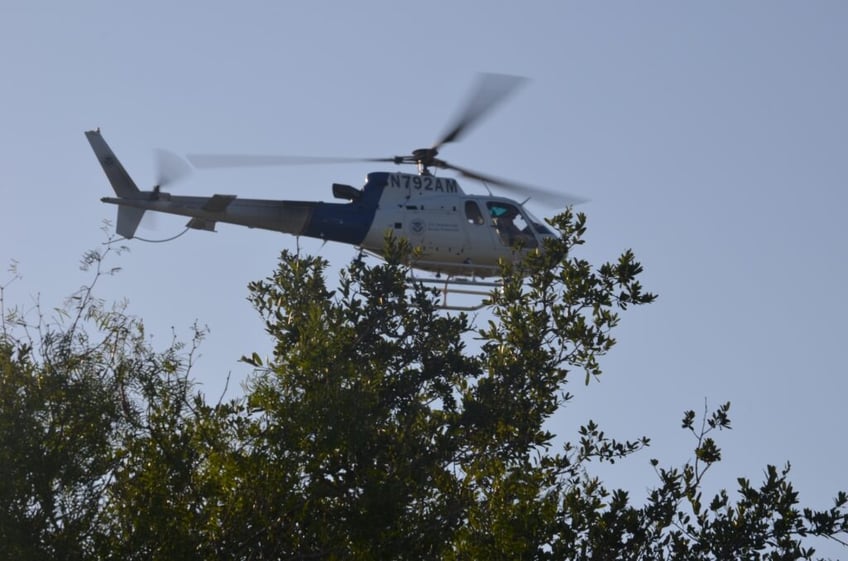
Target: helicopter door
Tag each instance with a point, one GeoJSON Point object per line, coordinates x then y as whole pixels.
{"type": "Point", "coordinates": [482, 246]}
{"type": "Point", "coordinates": [478, 230]}
{"type": "Point", "coordinates": [436, 228]}
{"type": "Point", "coordinates": [511, 226]}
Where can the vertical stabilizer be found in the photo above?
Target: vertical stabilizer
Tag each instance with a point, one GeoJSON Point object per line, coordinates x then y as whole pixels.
{"type": "Point", "coordinates": [128, 217]}
{"type": "Point", "coordinates": [121, 181]}
{"type": "Point", "coordinates": [128, 220]}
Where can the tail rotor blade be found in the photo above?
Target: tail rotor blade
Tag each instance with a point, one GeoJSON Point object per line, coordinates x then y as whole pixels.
{"type": "Point", "coordinates": [170, 168]}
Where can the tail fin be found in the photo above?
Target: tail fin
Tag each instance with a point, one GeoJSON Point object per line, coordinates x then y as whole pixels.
{"type": "Point", "coordinates": [122, 183]}
{"type": "Point", "coordinates": [128, 220]}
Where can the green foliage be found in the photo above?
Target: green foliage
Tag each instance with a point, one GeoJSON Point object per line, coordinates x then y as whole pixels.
{"type": "Point", "coordinates": [67, 408]}
{"type": "Point", "coordinates": [380, 427]}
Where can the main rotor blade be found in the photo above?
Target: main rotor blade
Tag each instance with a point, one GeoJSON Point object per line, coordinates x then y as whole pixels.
{"type": "Point", "coordinates": [170, 168]}
{"type": "Point", "coordinates": [246, 160]}
{"type": "Point", "coordinates": [549, 197]}
{"type": "Point", "coordinates": [489, 90]}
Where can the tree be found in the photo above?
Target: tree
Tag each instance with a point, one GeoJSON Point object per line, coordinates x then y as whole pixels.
{"type": "Point", "coordinates": [70, 391]}
{"type": "Point", "coordinates": [382, 427]}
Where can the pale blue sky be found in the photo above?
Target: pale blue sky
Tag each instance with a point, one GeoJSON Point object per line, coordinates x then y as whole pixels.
{"type": "Point", "coordinates": [710, 137]}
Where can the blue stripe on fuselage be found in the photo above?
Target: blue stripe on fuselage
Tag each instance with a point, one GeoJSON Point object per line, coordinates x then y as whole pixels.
{"type": "Point", "coordinates": [348, 222]}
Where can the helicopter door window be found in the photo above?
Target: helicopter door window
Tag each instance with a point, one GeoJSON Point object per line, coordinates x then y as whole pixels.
{"type": "Point", "coordinates": [472, 213]}
{"type": "Point", "coordinates": [511, 226]}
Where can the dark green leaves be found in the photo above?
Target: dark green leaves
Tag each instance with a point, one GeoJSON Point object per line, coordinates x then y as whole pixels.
{"type": "Point", "coordinates": [376, 426]}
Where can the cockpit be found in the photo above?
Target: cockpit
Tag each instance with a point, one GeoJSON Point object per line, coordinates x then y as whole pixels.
{"type": "Point", "coordinates": [513, 224]}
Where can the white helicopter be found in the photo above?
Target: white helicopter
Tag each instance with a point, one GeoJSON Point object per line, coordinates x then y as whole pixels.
{"type": "Point", "coordinates": [461, 236]}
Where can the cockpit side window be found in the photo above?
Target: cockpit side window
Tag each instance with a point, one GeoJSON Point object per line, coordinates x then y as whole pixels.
{"type": "Point", "coordinates": [511, 225]}
{"type": "Point", "coordinates": [472, 213]}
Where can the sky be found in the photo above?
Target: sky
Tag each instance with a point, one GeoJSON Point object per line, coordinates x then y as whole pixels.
{"type": "Point", "coordinates": [709, 137]}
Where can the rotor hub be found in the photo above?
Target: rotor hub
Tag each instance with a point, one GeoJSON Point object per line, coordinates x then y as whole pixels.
{"type": "Point", "coordinates": [424, 158]}
{"type": "Point", "coordinates": [425, 155]}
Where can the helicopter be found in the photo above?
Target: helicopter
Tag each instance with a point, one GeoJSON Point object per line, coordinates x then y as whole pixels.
{"type": "Point", "coordinates": [459, 235]}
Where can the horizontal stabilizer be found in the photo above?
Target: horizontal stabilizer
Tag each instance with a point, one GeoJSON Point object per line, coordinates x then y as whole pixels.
{"type": "Point", "coordinates": [201, 224]}
{"type": "Point", "coordinates": [218, 203]}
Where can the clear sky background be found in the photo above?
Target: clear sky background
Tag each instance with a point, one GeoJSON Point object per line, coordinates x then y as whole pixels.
{"type": "Point", "coordinates": [710, 137]}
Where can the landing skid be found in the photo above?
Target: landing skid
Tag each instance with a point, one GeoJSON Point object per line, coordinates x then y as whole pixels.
{"type": "Point", "coordinates": [454, 278]}
{"type": "Point", "coordinates": [460, 285]}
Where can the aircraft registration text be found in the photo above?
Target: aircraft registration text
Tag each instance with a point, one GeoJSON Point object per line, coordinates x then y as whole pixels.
{"type": "Point", "coordinates": [423, 183]}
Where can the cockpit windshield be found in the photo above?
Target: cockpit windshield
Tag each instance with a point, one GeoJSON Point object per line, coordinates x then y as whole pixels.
{"type": "Point", "coordinates": [538, 225]}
